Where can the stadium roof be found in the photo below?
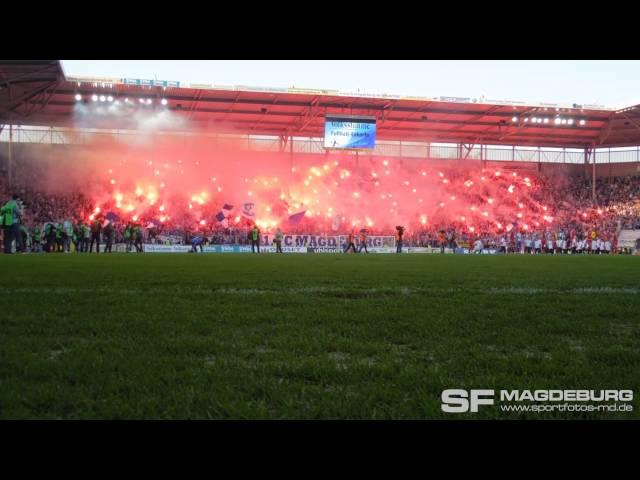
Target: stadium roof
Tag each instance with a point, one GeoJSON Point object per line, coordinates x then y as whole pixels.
{"type": "Point", "coordinates": [38, 93]}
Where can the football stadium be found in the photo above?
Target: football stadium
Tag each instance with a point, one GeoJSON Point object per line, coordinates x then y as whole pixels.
{"type": "Point", "coordinates": [202, 251]}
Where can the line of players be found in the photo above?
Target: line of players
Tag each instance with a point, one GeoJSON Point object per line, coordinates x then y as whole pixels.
{"type": "Point", "coordinates": [351, 242]}
{"type": "Point", "coordinates": [540, 244]}
{"type": "Point", "coordinates": [58, 237]}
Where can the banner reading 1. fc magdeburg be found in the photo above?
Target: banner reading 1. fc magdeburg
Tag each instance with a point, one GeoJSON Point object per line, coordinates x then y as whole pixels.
{"type": "Point", "coordinates": [348, 131]}
{"type": "Point", "coordinates": [290, 244]}
{"type": "Point", "coordinates": [322, 242]}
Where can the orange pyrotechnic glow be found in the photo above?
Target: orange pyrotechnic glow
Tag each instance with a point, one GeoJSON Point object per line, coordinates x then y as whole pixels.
{"type": "Point", "coordinates": [177, 185]}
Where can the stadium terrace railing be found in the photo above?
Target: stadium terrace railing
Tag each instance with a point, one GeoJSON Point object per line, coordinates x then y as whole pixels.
{"type": "Point", "coordinates": [74, 136]}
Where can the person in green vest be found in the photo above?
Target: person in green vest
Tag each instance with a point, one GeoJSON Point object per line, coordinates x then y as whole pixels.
{"type": "Point", "coordinates": [86, 235]}
{"type": "Point", "coordinates": [67, 235]}
{"type": "Point", "coordinates": [59, 247]}
{"type": "Point", "coordinates": [36, 240]}
{"type": "Point", "coordinates": [11, 220]}
{"type": "Point", "coordinates": [49, 236]}
{"type": "Point", "coordinates": [255, 239]}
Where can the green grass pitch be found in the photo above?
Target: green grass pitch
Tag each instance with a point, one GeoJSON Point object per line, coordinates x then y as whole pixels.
{"type": "Point", "coordinates": [321, 336]}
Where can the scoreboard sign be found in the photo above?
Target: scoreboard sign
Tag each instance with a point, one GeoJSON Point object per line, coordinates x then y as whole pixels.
{"type": "Point", "coordinates": [349, 132]}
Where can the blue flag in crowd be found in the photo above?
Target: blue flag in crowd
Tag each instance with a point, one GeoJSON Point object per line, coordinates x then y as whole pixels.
{"type": "Point", "coordinates": [112, 217]}
{"type": "Point", "coordinates": [223, 214]}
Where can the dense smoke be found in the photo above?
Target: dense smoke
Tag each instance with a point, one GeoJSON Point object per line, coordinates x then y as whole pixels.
{"type": "Point", "coordinates": [184, 178]}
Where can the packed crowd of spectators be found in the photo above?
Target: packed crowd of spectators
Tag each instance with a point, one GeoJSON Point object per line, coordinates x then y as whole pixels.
{"type": "Point", "coordinates": [576, 216]}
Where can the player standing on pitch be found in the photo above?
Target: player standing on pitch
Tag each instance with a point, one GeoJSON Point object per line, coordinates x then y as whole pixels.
{"type": "Point", "coordinates": [58, 246]}
{"type": "Point", "coordinates": [350, 244]}
{"type": "Point", "coordinates": [128, 236]}
{"type": "Point", "coordinates": [107, 233]}
{"type": "Point", "coordinates": [96, 230]}
{"type": "Point", "coordinates": [278, 240]}
{"type": "Point", "coordinates": [399, 233]}
{"type": "Point", "coordinates": [86, 234]}
{"type": "Point", "coordinates": [50, 234]}
{"type": "Point", "coordinates": [137, 239]}
{"type": "Point", "coordinates": [363, 241]}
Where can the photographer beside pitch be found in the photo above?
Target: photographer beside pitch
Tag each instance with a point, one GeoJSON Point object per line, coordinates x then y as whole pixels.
{"type": "Point", "coordinates": [198, 241]}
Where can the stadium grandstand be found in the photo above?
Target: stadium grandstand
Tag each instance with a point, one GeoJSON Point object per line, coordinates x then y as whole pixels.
{"type": "Point", "coordinates": [47, 115]}
{"type": "Point", "coordinates": [324, 321]}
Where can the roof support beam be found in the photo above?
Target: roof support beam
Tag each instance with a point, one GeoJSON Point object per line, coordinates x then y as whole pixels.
{"type": "Point", "coordinates": [631, 120]}
{"type": "Point", "coordinates": [606, 131]}
{"type": "Point", "coordinates": [309, 115]}
{"type": "Point", "coordinates": [26, 97]}
{"type": "Point", "coordinates": [33, 106]}
{"type": "Point", "coordinates": [479, 116]}
{"type": "Point", "coordinates": [350, 104]}
{"type": "Point", "coordinates": [390, 121]}
{"type": "Point", "coordinates": [468, 149]}
{"type": "Point", "coordinates": [27, 74]}
{"type": "Point", "coordinates": [387, 109]}
{"type": "Point", "coordinates": [234, 103]}
{"type": "Point", "coordinates": [195, 103]}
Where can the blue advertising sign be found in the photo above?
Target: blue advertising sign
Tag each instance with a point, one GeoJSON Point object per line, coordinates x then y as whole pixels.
{"type": "Point", "coordinates": [150, 83]}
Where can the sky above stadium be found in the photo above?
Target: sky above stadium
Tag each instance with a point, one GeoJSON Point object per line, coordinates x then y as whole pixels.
{"type": "Point", "coordinates": [605, 82]}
